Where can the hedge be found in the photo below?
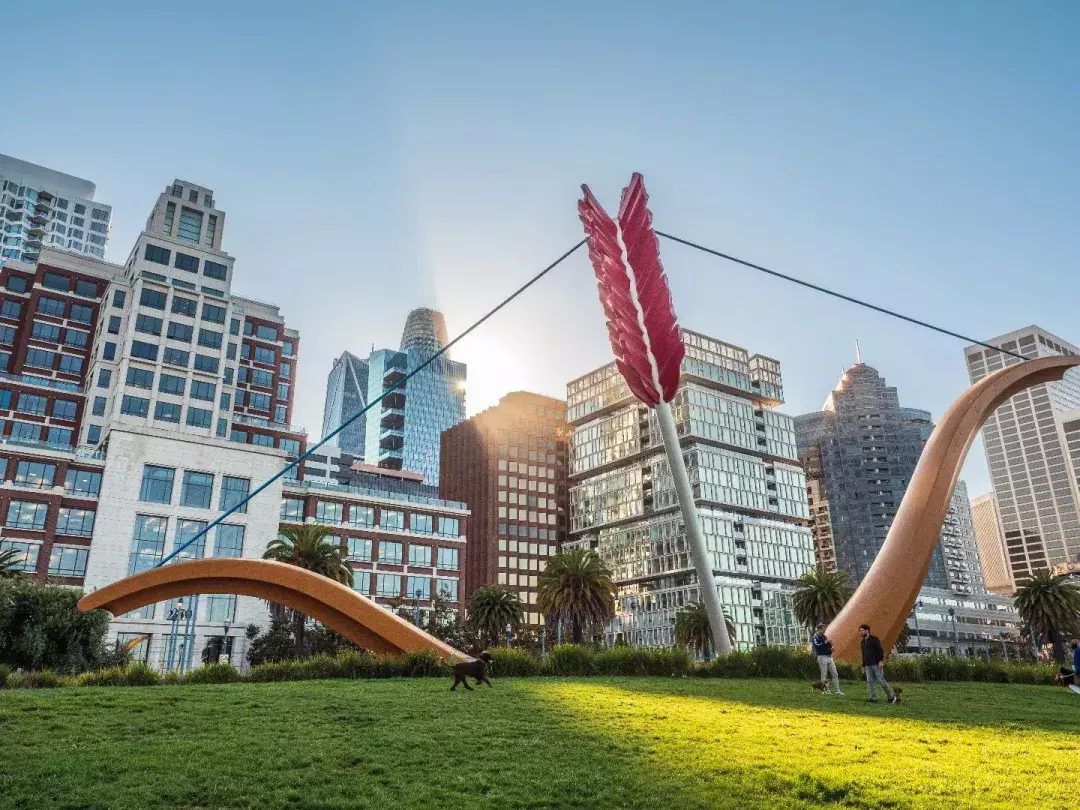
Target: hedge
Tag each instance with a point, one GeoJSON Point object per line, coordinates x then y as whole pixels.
{"type": "Point", "coordinates": [566, 659]}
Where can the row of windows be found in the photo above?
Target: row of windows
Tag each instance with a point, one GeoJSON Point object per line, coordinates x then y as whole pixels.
{"type": "Point", "coordinates": [390, 586]}
{"type": "Point", "coordinates": [45, 359]}
{"type": "Point", "coordinates": [150, 532]}
{"type": "Point", "coordinates": [331, 512]}
{"type": "Point", "coordinates": [65, 561]}
{"type": "Point", "coordinates": [196, 490]}
{"type": "Point", "coordinates": [42, 475]}
{"type": "Point", "coordinates": [50, 333]}
{"type": "Point", "coordinates": [160, 255]}
{"type": "Point", "coordinates": [32, 432]}
{"type": "Point", "coordinates": [55, 281]}
{"type": "Point", "coordinates": [170, 356]}
{"type": "Point", "coordinates": [391, 553]}
{"type": "Point", "coordinates": [38, 405]}
{"type": "Point", "coordinates": [52, 307]}
{"type": "Point", "coordinates": [31, 515]}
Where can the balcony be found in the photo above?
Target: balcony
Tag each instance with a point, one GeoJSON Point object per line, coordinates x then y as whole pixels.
{"type": "Point", "coordinates": [391, 439]}
{"type": "Point", "coordinates": [390, 458]}
{"type": "Point", "coordinates": [394, 400]}
{"type": "Point", "coordinates": [392, 376]}
{"type": "Point", "coordinates": [393, 418]}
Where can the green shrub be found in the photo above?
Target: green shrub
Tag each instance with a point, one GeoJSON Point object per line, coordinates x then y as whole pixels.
{"type": "Point", "coordinates": [423, 664]}
{"type": "Point", "coordinates": [275, 672]}
{"type": "Point", "coordinates": [5, 671]}
{"type": "Point", "coordinates": [211, 673]}
{"type": "Point", "coordinates": [140, 674]}
{"type": "Point", "coordinates": [45, 679]}
{"type": "Point", "coordinates": [905, 670]}
{"type": "Point", "coordinates": [109, 676]}
{"type": "Point", "coordinates": [570, 659]}
{"type": "Point", "coordinates": [509, 663]}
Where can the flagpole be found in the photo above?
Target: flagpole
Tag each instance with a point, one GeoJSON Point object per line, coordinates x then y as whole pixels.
{"type": "Point", "coordinates": [695, 539]}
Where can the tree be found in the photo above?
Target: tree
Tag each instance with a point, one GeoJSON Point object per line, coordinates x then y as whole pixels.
{"type": "Point", "coordinates": [576, 589]}
{"type": "Point", "coordinates": [11, 560]}
{"type": "Point", "coordinates": [820, 596]}
{"type": "Point", "coordinates": [1050, 606]}
{"type": "Point", "coordinates": [308, 547]}
{"type": "Point", "coordinates": [491, 609]}
{"type": "Point", "coordinates": [41, 627]}
{"type": "Point", "coordinates": [692, 628]}
{"type": "Point", "coordinates": [902, 640]}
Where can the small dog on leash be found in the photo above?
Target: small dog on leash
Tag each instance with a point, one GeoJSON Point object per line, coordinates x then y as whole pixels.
{"type": "Point", "coordinates": [820, 686]}
{"type": "Point", "coordinates": [472, 669]}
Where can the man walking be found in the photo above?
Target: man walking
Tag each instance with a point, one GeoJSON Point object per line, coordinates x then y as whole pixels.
{"type": "Point", "coordinates": [873, 661]}
{"type": "Point", "coordinates": [822, 648]}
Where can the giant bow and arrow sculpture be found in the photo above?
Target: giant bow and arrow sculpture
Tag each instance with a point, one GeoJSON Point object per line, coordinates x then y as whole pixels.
{"type": "Point", "coordinates": [648, 347]}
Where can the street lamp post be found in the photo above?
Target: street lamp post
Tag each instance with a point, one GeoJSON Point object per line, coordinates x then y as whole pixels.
{"type": "Point", "coordinates": [225, 652]}
{"type": "Point", "coordinates": [1004, 649]}
{"type": "Point", "coordinates": [509, 628]}
{"type": "Point", "coordinates": [543, 641]}
{"type": "Point", "coordinates": [416, 606]}
{"type": "Point", "coordinates": [915, 615]}
{"type": "Point", "coordinates": [955, 638]}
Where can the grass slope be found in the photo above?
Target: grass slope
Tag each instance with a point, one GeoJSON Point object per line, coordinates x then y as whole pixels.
{"type": "Point", "coordinates": [579, 743]}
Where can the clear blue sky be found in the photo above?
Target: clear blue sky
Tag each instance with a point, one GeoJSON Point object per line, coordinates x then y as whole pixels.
{"type": "Point", "coordinates": [374, 157]}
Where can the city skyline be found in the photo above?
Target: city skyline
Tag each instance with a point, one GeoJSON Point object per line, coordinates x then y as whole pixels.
{"type": "Point", "coordinates": [460, 182]}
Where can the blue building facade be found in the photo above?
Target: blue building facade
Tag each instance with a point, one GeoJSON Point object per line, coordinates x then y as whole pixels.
{"type": "Point", "coordinates": [346, 394]}
{"type": "Point", "coordinates": [404, 431]}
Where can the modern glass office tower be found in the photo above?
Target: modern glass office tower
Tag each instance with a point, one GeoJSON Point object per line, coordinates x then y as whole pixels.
{"type": "Point", "coordinates": [403, 431]}
{"type": "Point", "coordinates": [346, 394]}
{"type": "Point", "coordinates": [860, 451]}
{"type": "Point", "coordinates": [1036, 498]}
{"type": "Point", "coordinates": [40, 207]}
{"type": "Point", "coordinates": [750, 491]}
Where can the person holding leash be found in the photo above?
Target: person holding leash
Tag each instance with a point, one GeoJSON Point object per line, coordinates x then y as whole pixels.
{"type": "Point", "coordinates": [873, 661]}
{"type": "Point", "coordinates": [822, 649]}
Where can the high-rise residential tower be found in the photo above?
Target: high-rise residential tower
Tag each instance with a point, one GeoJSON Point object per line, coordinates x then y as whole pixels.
{"type": "Point", "coordinates": [1036, 498]}
{"type": "Point", "coordinates": [750, 492]}
{"type": "Point", "coordinates": [995, 565]}
{"type": "Point", "coordinates": [346, 395]}
{"type": "Point", "coordinates": [860, 452]}
{"type": "Point", "coordinates": [403, 431]}
{"type": "Point", "coordinates": [40, 207]}
{"type": "Point", "coordinates": [508, 463]}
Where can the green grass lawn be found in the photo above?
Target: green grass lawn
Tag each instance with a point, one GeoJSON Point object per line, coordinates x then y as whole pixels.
{"type": "Point", "coordinates": [551, 742]}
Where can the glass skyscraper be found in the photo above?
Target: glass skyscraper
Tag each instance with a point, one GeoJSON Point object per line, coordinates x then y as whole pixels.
{"type": "Point", "coordinates": [403, 432]}
{"type": "Point", "coordinates": [750, 493]}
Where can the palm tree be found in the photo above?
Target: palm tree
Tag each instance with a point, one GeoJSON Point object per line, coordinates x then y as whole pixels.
{"type": "Point", "coordinates": [692, 628]}
{"type": "Point", "coordinates": [1050, 606]}
{"type": "Point", "coordinates": [491, 609]}
{"type": "Point", "coordinates": [902, 640]}
{"type": "Point", "coordinates": [307, 547]}
{"type": "Point", "coordinates": [11, 561]}
{"type": "Point", "coordinates": [576, 588]}
{"type": "Point", "coordinates": [820, 596]}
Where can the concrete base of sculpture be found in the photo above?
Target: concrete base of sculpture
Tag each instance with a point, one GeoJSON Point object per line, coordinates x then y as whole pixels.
{"type": "Point", "coordinates": [337, 606]}
{"type": "Point", "coordinates": [886, 595]}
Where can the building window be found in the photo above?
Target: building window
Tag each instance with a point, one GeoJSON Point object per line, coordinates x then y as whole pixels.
{"type": "Point", "coordinates": [27, 515]}
{"type": "Point", "coordinates": [81, 314]}
{"type": "Point", "coordinates": [47, 332]}
{"type": "Point", "coordinates": [292, 509]}
{"type": "Point", "coordinates": [234, 490]}
{"type": "Point", "coordinates": [285, 370]}
{"type": "Point", "coordinates": [148, 542]}
{"type": "Point", "coordinates": [76, 522]}
{"type": "Point", "coordinates": [186, 532]}
{"type": "Point", "coordinates": [262, 439]}
{"type": "Point", "coordinates": [362, 582]}
{"type": "Point", "coordinates": [31, 403]}
{"type": "Point", "coordinates": [290, 446]}
{"type": "Point", "coordinates": [265, 356]}
{"type": "Point", "coordinates": [447, 589]}
{"type": "Point", "coordinates": [157, 484]}
{"type": "Point", "coordinates": [68, 561]}
{"type": "Point", "coordinates": [190, 224]}
{"type": "Point", "coordinates": [185, 262]}
{"type": "Point", "coordinates": [171, 384]}
{"type": "Point", "coordinates": [210, 339]}
{"type": "Point", "coordinates": [170, 215]}
{"type": "Point", "coordinates": [39, 358]}
{"type": "Point", "coordinates": [82, 483]}
{"type": "Point", "coordinates": [328, 512]}
{"type": "Point", "coordinates": [258, 402]}
{"type": "Point", "coordinates": [200, 417]}
{"type": "Point", "coordinates": [147, 324]}
{"type": "Point", "coordinates": [167, 412]}
{"type": "Point", "coordinates": [180, 331]}
{"type": "Point", "coordinates": [421, 524]}
{"type": "Point", "coordinates": [108, 352]}
{"type": "Point", "coordinates": [26, 431]}
{"type": "Point", "coordinates": [196, 489]}
{"type": "Point", "coordinates": [104, 379]}
{"type": "Point", "coordinates": [215, 270]}
{"type": "Point", "coordinates": [448, 559]}
{"type": "Point", "coordinates": [287, 348]}
{"type": "Point", "coordinates": [388, 585]}
{"type": "Point", "coordinates": [361, 516]}
{"type": "Point", "coordinates": [134, 406]}
{"type": "Point", "coordinates": [55, 281]}
{"type": "Point", "coordinates": [420, 556]}
{"type": "Point", "coordinates": [144, 351]}
{"type": "Point", "coordinates": [35, 474]}
{"type": "Point", "coordinates": [449, 527]}
{"type": "Point", "coordinates": [205, 363]}
{"type": "Point", "coordinates": [392, 519]}
{"type": "Point", "coordinates": [155, 299]}
{"type": "Point", "coordinates": [114, 324]}
{"type": "Point", "coordinates": [390, 552]}
{"type": "Point", "coordinates": [221, 607]}
{"type": "Point", "coordinates": [119, 298]}
{"type": "Point", "coordinates": [7, 335]}
{"type": "Point", "coordinates": [229, 541]}
{"type": "Point", "coordinates": [27, 551]}
{"type": "Point", "coordinates": [418, 588]}
{"type": "Point", "coordinates": [59, 437]}
{"type": "Point", "coordinates": [184, 306]}
{"type": "Point", "coordinates": [5, 399]}
{"type": "Point", "coordinates": [158, 255]}
{"type": "Point", "coordinates": [360, 549]}
{"type": "Point", "coordinates": [175, 357]}
{"type": "Point", "coordinates": [87, 289]}
{"type": "Point", "coordinates": [140, 377]}
{"type": "Point", "coordinates": [265, 332]}
{"type": "Point", "coordinates": [52, 307]}
{"type": "Point", "coordinates": [75, 338]}
{"type": "Point", "coordinates": [203, 390]}
{"type": "Point", "coordinates": [93, 434]}
{"type": "Point", "coordinates": [17, 284]}
{"type": "Point", "coordinates": [213, 313]}
{"type": "Point", "coordinates": [70, 364]}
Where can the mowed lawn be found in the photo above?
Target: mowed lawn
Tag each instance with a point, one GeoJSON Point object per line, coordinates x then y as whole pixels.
{"type": "Point", "coordinates": [551, 742]}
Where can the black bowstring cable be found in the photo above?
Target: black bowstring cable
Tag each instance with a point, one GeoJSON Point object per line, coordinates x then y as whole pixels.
{"type": "Point", "coordinates": [400, 383]}
{"type": "Point", "coordinates": [834, 294]}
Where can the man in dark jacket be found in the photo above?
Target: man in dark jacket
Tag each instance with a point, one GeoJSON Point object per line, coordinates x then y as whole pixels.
{"type": "Point", "coordinates": [873, 661]}
{"type": "Point", "coordinates": [822, 650]}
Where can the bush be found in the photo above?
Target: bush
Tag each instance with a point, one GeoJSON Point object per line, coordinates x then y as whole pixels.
{"type": "Point", "coordinates": [423, 664]}
{"type": "Point", "coordinates": [41, 628]}
{"type": "Point", "coordinates": [570, 659]}
{"type": "Point", "coordinates": [509, 663]}
{"type": "Point", "coordinates": [45, 679]}
{"type": "Point", "coordinates": [137, 674]}
{"type": "Point", "coordinates": [5, 672]}
{"type": "Point", "coordinates": [211, 673]}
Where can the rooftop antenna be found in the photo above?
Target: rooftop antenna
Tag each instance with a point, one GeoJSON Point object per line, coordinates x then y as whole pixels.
{"type": "Point", "coordinates": [858, 354]}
